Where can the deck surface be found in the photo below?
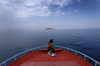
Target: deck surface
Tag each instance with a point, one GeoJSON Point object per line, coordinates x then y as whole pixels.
{"type": "Point", "coordinates": [41, 58]}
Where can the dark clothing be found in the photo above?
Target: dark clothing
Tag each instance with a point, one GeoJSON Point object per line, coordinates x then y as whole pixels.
{"type": "Point", "coordinates": [50, 49]}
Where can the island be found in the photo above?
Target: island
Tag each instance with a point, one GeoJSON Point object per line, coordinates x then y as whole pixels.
{"type": "Point", "coordinates": [49, 29]}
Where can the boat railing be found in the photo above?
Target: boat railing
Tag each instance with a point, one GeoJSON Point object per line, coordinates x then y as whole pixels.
{"type": "Point", "coordinates": [24, 53]}
{"type": "Point", "coordinates": [77, 52]}
{"type": "Point", "coordinates": [41, 47]}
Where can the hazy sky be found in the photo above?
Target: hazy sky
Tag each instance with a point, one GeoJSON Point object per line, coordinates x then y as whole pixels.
{"type": "Point", "coordinates": [41, 14]}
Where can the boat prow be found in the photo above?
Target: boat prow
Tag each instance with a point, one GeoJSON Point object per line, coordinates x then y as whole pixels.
{"type": "Point", "coordinates": [63, 57]}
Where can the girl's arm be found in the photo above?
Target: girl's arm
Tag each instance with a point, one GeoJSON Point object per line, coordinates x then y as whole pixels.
{"type": "Point", "coordinates": [51, 44]}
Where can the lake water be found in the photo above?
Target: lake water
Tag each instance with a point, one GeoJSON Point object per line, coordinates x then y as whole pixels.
{"type": "Point", "coordinates": [84, 40]}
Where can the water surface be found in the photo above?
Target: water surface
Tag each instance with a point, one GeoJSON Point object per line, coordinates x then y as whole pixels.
{"type": "Point", "coordinates": [16, 41]}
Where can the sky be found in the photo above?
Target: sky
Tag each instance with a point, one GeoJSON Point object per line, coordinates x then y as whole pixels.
{"type": "Point", "coordinates": [41, 14]}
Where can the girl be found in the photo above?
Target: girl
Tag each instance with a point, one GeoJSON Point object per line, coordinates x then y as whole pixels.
{"type": "Point", "coordinates": [50, 49]}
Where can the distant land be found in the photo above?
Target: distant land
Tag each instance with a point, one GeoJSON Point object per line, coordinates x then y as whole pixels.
{"type": "Point", "coordinates": [50, 29]}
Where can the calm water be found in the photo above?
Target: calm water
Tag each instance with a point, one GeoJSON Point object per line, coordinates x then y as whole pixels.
{"type": "Point", "coordinates": [83, 40]}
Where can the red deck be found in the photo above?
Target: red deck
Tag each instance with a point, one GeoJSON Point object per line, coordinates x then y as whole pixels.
{"type": "Point", "coordinates": [41, 58]}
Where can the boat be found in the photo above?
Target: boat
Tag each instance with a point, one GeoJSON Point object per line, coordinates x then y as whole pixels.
{"type": "Point", "coordinates": [38, 56]}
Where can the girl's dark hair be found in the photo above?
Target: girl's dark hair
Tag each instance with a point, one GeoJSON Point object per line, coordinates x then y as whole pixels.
{"type": "Point", "coordinates": [51, 41]}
